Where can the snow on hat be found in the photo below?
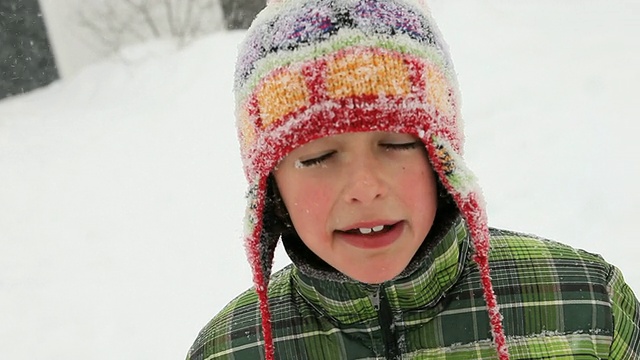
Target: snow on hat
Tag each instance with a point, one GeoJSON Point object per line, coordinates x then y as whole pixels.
{"type": "Point", "coordinates": [314, 68]}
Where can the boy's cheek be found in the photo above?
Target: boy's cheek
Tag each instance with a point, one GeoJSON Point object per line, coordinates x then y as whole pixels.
{"type": "Point", "coordinates": [311, 201]}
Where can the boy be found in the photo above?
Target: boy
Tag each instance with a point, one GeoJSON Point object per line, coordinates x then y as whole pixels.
{"type": "Point", "coordinates": [351, 136]}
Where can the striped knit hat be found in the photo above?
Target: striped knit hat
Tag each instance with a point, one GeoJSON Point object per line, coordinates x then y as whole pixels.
{"type": "Point", "coordinates": [314, 68]}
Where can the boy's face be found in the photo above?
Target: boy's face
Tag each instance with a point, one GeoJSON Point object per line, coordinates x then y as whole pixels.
{"type": "Point", "coordinates": [363, 202]}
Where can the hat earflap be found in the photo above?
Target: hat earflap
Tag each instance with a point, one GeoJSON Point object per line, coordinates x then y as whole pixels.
{"type": "Point", "coordinates": [461, 184]}
{"type": "Point", "coordinates": [260, 247]}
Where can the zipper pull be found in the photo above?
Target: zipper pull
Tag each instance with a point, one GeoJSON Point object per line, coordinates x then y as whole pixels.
{"type": "Point", "coordinates": [381, 304]}
{"type": "Point", "coordinates": [375, 299]}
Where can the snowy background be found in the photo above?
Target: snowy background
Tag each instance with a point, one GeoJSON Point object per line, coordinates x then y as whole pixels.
{"type": "Point", "coordinates": [121, 189]}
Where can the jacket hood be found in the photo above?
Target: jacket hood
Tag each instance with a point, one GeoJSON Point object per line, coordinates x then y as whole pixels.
{"type": "Point", "coordinates": [434, 270]}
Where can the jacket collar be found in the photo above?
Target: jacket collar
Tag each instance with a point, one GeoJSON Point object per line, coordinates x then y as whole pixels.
{"type": "Point", "coordinates": [432, 275]}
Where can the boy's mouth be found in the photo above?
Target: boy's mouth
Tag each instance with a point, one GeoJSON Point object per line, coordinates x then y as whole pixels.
{"type": "Point", "coordinates": [370, 231]}
{"type": "Point", "coordinates": [369, 228]}
{"type": "Point", "coordinates": [366, 236]}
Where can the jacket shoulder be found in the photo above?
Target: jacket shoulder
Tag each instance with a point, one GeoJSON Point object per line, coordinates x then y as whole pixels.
{"type": "Point", "coordinates": [566, 288]}
{"type": "Point", "coordinates": [516, 246]}
{"type": "Point", "coordinates": [522, 262]}
{"type": "Point", "coordinates": [237, 327]}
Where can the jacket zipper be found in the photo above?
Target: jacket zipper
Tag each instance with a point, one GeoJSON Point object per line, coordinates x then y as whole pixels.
{"type": "Point", "coordinates": [385, 318]}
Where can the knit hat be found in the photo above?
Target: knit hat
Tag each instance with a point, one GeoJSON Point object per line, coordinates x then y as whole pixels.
{"type": "Point", "coordinates": [314, 68]}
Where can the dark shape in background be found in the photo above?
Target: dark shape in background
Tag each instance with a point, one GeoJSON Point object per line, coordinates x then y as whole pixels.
{"type": "Point", "coordinates": [26, 60]}
{"type": "Point", "coordinates": [238, 14]}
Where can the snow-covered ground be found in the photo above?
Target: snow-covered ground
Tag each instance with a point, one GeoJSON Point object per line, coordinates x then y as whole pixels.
{"type": "Point", "coordinates": [121, 190]}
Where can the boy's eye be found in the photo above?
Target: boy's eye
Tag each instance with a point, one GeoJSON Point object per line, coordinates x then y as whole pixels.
{"type": "Point", "coordinates": [403, 146]}
{"type": "Point", "coordinates": [324, 157]}
{"type": "Point", "coordinates": [314, 161]}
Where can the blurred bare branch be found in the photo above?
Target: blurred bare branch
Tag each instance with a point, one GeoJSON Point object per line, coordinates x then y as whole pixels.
{"type": "Point", "coordinates": [117, 23]}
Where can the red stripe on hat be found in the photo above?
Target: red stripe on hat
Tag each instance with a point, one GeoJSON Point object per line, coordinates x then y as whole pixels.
{"type": "Point", "coordinates": [314, 73]}
{"type": "Point", "coordinates": [416, 76]}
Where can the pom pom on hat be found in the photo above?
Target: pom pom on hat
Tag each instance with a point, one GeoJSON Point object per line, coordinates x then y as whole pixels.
{"type": "Point", "coordinates": [314, 68]}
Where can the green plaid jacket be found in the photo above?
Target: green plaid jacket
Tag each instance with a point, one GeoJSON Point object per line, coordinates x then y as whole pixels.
{"type": "Point", "coordinates": [557, 303]}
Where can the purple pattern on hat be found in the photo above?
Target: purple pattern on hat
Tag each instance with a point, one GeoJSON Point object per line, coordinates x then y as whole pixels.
{"type": "Point", "coordinates": [302, 25]}
{"type": "Point", "coordinates": [252, 51]}
{"type": "Point", "coordinates": [389, 16]}
{"type": "Point", "coordinates": [312, 24]}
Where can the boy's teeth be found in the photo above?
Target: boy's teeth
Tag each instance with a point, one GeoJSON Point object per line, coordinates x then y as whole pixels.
{"type": "Point", "coordinates": [369, 230]}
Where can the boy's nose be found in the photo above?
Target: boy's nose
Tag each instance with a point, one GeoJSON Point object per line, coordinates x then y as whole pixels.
{"type": "Point", "coordinates": [364, 182]}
